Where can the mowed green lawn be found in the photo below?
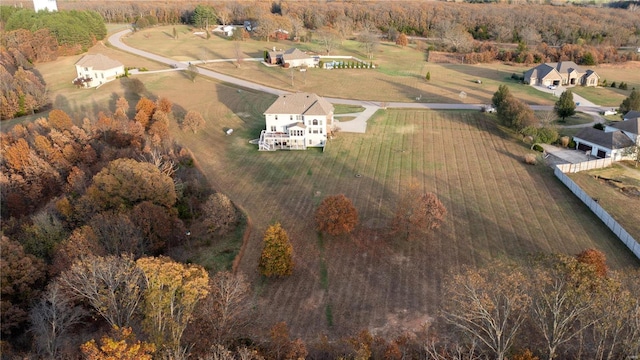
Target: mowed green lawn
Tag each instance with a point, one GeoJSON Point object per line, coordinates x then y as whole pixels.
{"type": "Point", "coordinates": [499, 208]}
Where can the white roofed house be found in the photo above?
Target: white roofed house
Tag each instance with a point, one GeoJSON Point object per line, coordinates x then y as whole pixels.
{"type": "Point", "coordinates": [296, 122]}
{"type": "Point", "coordinates": [96, 69]}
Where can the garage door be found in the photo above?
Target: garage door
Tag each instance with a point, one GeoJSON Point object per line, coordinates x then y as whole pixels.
{"type": "Point", "coordinates": [584, 147]}
{"type": "Point", "coordinates": [602, 154]}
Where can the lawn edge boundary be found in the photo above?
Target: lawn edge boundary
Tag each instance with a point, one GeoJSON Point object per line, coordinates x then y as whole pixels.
{"type": "Point", "coordinates": [593, 205]}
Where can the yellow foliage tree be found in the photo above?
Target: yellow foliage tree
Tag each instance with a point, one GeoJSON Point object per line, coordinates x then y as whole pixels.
{"type": "Point", "coordinates": [277, 253]}
{"type": "Point", "coordinates": [173, 290]}
{"type": "Point", "coordinates": [121, 346]}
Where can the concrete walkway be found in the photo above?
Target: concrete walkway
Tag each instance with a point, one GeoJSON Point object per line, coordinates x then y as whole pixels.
{"type": "Point", "coordinates": [565, 155]}
{"type": "Point", "coordinates": [357, 125]}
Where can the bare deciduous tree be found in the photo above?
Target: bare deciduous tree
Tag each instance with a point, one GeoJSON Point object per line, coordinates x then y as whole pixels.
{"type": "Point", "coordinates": [563, 292]}
{"type": "Point", "coordinates": [328, 39]}
{"type": "Point", "coordinates": [51, 319]}
{"type": "Point", "coordinates": [489, 305]}
{"type": "Point", "coordinates": [369, 42]}
{"type": "Point", "coordinates": [112, 285]}
{"type": "Point", "coordinates": [220, 215]}
{"type": "Point", "coordinates": [225, 314]}
{"type": "Point", "coordinates": [193, 121]}
{"type": "Point", "coordinates": [417, 210]}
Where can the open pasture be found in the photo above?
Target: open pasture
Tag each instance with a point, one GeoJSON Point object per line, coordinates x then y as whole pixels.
{"type": "Point", "coordinates": [498, 208]}
{"type": "Point", "coordinates": [400, 76]}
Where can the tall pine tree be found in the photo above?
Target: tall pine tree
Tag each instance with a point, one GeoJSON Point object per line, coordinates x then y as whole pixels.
{"type": "Point", "coordinates": [565, 106]}
{"type": "Point", "coordinates": [631, 103]}
{"type": "Point", "coordinates": [277, 253]}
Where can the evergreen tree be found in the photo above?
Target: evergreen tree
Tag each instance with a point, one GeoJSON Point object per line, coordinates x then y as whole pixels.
{"type": "Point", "coordinates": [277, 253]}
{"type": "Point", "coordinates": [428, 77]}
{"type": "Point", "coordinates": [203, 16]}
{"type": "Point", "coordinates": [631, 103]}
{"type": "Point", "coordinates": [500, 95]}
{"type": "Point", "coordinates": [565, 106]}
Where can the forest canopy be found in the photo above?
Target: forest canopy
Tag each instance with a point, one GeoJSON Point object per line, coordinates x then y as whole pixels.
{"type": "Point", "coordinates": [70, 28]}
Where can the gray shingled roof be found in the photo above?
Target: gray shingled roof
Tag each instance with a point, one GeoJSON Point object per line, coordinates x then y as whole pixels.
{"type": "Point", "coordinates": [300, 103]}
{"type": "Point", "coordinates": [630, 126]}
{"type": "Point", "coordinates": [610, 140]}
{"type": "Point", "coordinates": [294, 54]}
{"type": "Point", "coordinates": [632, 115]}
{"type": "Point", "coordinates": [566, 67]}
{"type": "Point", "coordinates": [539, 71]}
{"type": "Point", "coordinates": [98, 62]}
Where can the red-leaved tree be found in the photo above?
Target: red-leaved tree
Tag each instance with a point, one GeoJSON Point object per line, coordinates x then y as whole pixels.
{"type": "Point", "coordinates": [336, 215]}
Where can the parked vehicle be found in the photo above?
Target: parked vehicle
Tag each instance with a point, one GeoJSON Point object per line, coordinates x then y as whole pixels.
{"type": "Point", "coordinates": [552, 87]}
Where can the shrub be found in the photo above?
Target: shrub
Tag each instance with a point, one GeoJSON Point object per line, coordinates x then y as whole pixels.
{"type": "Point", "coordinates": [530, 159]}
{"type": "Point", "coordinates": [599, 126]}
{"type": "Point", "coordinates": [613, 84]}
{"type": "Point", "coordinates": [547, 135]}
{"type": "Point", "coordinates": [565, 141]}
{"type": "Point", "coordinates": [572, 144]}
{"type": "Point", "coordinates": [538, 148]}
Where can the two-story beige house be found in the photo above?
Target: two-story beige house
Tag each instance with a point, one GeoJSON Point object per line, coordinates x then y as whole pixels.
{"type": "Point", "coordinates": [295, 122]}
{"type": "Point", "coordinates": [96, 69]}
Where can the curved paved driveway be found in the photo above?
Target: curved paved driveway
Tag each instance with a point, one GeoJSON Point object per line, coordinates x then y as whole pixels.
{"type": "Point", "coordinates": [359, 124]}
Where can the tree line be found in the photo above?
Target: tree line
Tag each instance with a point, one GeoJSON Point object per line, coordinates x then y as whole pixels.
{"type": "Point", "coordinates": [75, 31]}
{"type": "Point", "coordinates": [503, 23]}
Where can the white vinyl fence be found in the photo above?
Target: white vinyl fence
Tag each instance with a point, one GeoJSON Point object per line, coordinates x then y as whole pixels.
{"type": "Point", "coordinates": [585, 165]}
{"type": "Point", "coordinates": [617, 229]}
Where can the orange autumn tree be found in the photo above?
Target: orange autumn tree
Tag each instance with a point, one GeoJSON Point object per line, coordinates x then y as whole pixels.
{"type": "Point", "coordinates": [277, 253]}
{"type": "Point", "coordinates": [336, 215]}
{"type": "Point", "coordinates": [121, 345]}
{"type": "Point", "coordinates": [418, 211]}
{"type": "Point", "coordinates": [596, 259]}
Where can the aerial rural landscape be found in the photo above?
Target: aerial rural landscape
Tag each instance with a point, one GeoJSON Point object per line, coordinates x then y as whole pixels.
{"type": "Point", "coordinates": [320, 180]}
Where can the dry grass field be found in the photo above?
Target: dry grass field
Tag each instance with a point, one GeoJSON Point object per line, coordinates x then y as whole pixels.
{"type": "Point", "coordinates": [498, 206]}
{"type": "Point", "coordinates": [400, 76]}
{"type": "Point", "coordinates": [620, 197]}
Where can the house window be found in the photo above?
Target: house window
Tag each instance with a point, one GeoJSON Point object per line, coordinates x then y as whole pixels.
{"type": "Point", "coordinates": [102, 75]}
{"type": "Point", "coordinates": [299, 117]}
{"type": "Point", "coordinates": [273, 129]}
{"type": "Point", "coordinates": [320, 130]}
{"type": "Point", "coordinates": [320, 122]}
{"type": "Point", "coordinates": [276, 117]}
{"type": "Point", "coordinates": [86, 69]}
{"type": "Point", "coordinates": [290, 117]}
{"type": "Point", "coordinates": [309, 141]}
{"type": "Point", "coordinates": [309, 130]}
{"type": "Point", "coordinates": [315, 122]}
